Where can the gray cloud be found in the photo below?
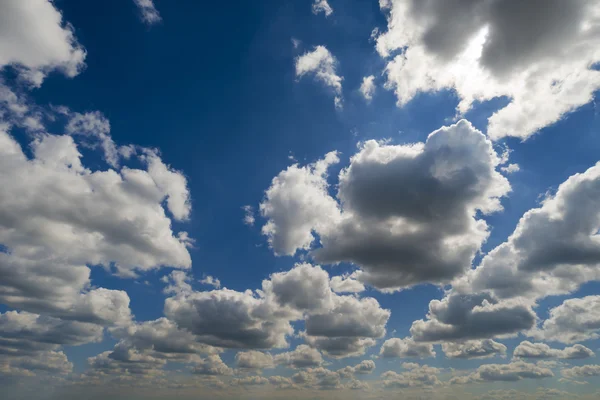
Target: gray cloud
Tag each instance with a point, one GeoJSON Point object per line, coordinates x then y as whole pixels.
{"type": "Point", "coordinates": [474, 349]}
{"type": "Point", "coordinates": [406, 348]}
{"type": "Point", "coordinates": [541, 350]}
{"type": "Point", "coordinates": [512, 372]}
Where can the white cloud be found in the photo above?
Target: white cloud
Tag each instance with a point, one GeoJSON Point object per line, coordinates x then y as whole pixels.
{"type": "Point", "coordinates": [33, 36]}
{"type": "Point", "coordinates": [323, 66]}
{"type": "Point", "coordinates": [585, 371]}
{"type": "Point", "coordinates": [212, 365]}
{"type": "Point", "coordinates": [302, 356]}
{"type": "Point", "coordinates": [541, 350]}
{"type": "Point", "coordinates": [249, 218]}
{"type": "Point", "coordinates": [407, 214]}
{"type": "Point", "coordinates": [254, 360]}
{"type": "Point", "coordinates": [211, 281]}
{"type": "Point", "coordinates": [512, 372]}
{"type": "Point", "coordinates": [406, 348]}
{"type": "Point", "coordinates": [96, 126]}
{"type": "Point", "coordinates": [148, 11]}
{"type": "Point", "coordinates": [416, 377]}
{"type": "Point", "coordinates": [322, 6]}
{"type": "Point", "coordinates": [67, 217]}
{"type": "Point", "coordinates": [347, 283]}
{"type": "Point", "coordinates": [511, 168]}
{"type": "Point", "coordinates": [553, 250]}
{"type": "Point", "coordinates": [462, 46]}
{"type": "Point", "coordinates": [367, 88]}
{"type": "Point", "coordinates": [474, 349]}
{"type": "Point", "coordinates": [575, 320]}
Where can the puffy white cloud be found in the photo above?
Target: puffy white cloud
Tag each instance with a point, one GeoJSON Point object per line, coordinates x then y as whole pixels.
{"type": "Point", "coordinates": [282, 382]}
{"type": "Point", "coordinates": [95, 126]}
{"type": "Point", "coordinates": [406, 214]}
{"type": "Point", "coordinates": [211, 281]}
{"type": "Point", "coordinates": [511, 168]}
{"type": "Point", "coordinates": [249, 218]}
{"type": "Point", "coordinates": [347, 283]}
{"type": "Point", "coordinates": [474, 349]}
{"type": "Point", "coordinates": [302, 356]}
{"type": "Point", "coordinates": [541, 350]}
{"type": "Point", "coordinates": [575, 320]}
{"type": "Point", "coordinates": [148, 11]}
{"type": "Point", "coordinates": [33, 36]}
{"type": "Point", "coordinates": [585, 371]}
{"type": "Point", "coordinates": [45, 362]}
{"type": "Point", "coordinates": [462, 45]}
{"type": "Point", "coordinates": [318, 378]}
{"type": "Point", "coordinates": [296, 203]}
{"type": "Point", "coordinates": [251, 381]}
{"type": "Point", "coordinates": [340, 347]}
{"type": "Point", "coordinates": [416, 377]}
{"type": "Point", "coordinates": [477, 316]}
{"type": "Point", "coordinates": [124, 361]}
{"type": "Point", "coordinates": [322, 6]}
{"type": "Point", "coordinates": [323, 66]}
{"type": "Point", "coordinates": [364, 367]}
{"type": "Point", "coordinates": [367, 87]}
{"type": "Point", "coordinates": [553, 250]}
{"type": "Point", "coordinates": [406, 348]}
{"type": "Point", "coordinates": [68, 217]}
{"type": "Point", "coordinates": [512, 372]}
{"type": "Point", "coordinates": [254, 360]}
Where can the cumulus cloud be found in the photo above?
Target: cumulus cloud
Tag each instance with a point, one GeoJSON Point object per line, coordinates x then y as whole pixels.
{"type": "Point", "coordinates": [321, 64]}
{"type": "Point", "coordinates": [511, 168]}
{"type": "Point", "coordinates": [512, 372]}
{"type": "Point", "coordinates": [585, 371]}
{"type": "Point", "coordinates": [462, 45]}
{"type": "Point", "coordinates": [541, 350]}
{"type": "Point", "coordinates": [406, 348]}
{"type": "Point", "coordinates": [212, 365]}
{"type": "Point", "coordinates": [405, 214]}
{"type": "Point", "coordinates": [211, 281]}
{"type": "Point", "coordinates": [148, 11]}
{"type": "Point", "coordinates": [347, 283]}
{"type": "Point", "coordinates": [34, 37]}
{"type": "Point", "coordinates": [367, 87]}
{"type": "Point", "coordinates": [474, 349]}
{"type": "Point", "coordinates": [302, 356]}
{"type": "Point", "coordinates": [75, 217]}
{"type": "Point", "coordinates": [477, 316]}
{"type": "Point", "coordinates": [575, 320]}
{"type": "Point", "coordinates": [254, 360]}
{"type": "Point", "coordinates": [416, 377]}
{"type": "Point", "coordinates": [322, 6]}
{"type": "Point", "coordinates": [249, 218]}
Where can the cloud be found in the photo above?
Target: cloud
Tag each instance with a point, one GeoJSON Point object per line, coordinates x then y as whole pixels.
{"type": "Point", "coordinates": [512, 372]}
{"type": "Point", "coordinates": [462, 45]}
{"type": "Point", "coordinates": [474, 349]}
{"type": "Point", "coordinates": [251, 381]}
{"type": "Point", "coordinates": [541, 350]}
{"type": "Point", "coordinates": [254, 360]}
{"type": "Point", "coordinates": [585, 371]}
{"type": "Point", "coordinates": [367, 88]}
{"type": "Point", "coordinates": [76, 217]}
{"type": "Point", "coordinates": [553, 250]}
{"type": "Point", "coordinates": [148, 11]}
{"type": "Point", "coordinates": [340, 347]}
{"type": "Point", "coordinates": [322, 6]}
{"type": "Point", "coordinates": [406, 348]}
{"type": "Point", "coordinates": [321, 64]}
{"type": "Point", "coordinates": [318, 378]}
{"type": "Point", "coordinates": [52, 363]}
{"type": "Point", "coordinates": [302, 356]}
{"type": "Point", "coordinates": [575, 320]}
{"type": "Point", "coordinates": [34, 37]}
{"type": "Point", "coordinates": [416, 377]}
{"type": "Point", "coordinates": [347, 283]}
{"type": "Point", "coordinates": [95, 126]}
{"type": "Point", "coordinates": [477, 316]}
{"type": "Point", "coordinates": [212, 365]}
{"type": "Point", "coordinates": [211, 281]}
{"type": "Point", "coordinates": [296, 202]}
{"type": "Point", "coordinates": [511, 168]}
{"type": "Point", "coordinates": [249, 218]}
{"type": "Point", "coordinates": [406, 213]}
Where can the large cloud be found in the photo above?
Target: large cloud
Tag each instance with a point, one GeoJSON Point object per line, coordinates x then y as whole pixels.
{"type": "Point", "coordinates": [34, 36]}
{"type": "Point", "coordinates": [537, 53]}
{"type": "Point", "coordinates": [575, 320]}
{"type": "Point", "coordinates": [406, 213]}
{"type": "Point", "coordinates": [554, 248]}
{"type": "Point", "coordinates": [68, 217]}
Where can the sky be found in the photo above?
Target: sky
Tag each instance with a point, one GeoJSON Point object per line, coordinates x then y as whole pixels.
{"type": "Point", "coordinates": [300, 199]}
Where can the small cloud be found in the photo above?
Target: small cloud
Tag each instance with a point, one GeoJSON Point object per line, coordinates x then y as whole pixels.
{"type": "Point", "coordinates": [322, 6]}
{"type": "Point", "coordinates": [148, 11]}
{"type": "Point", "coordinates": [511, 168]}
{"type": "Point", "coordinates": [367, 88]}
{"type": "Point", "coordinates": [248, 215]}
{"type": "Point", "coordinates": [211, 281]}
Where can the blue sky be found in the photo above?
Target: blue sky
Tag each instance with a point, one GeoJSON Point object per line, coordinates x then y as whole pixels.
{"type": "Point", "coordinates": [391, 145]}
